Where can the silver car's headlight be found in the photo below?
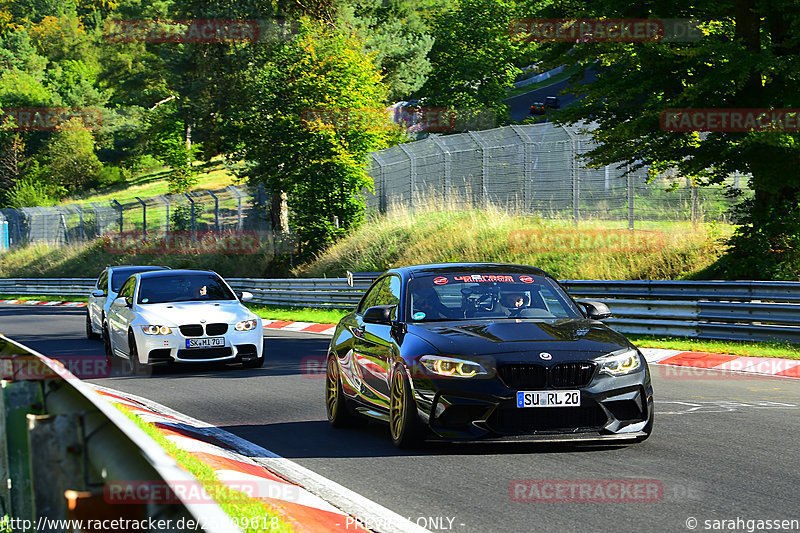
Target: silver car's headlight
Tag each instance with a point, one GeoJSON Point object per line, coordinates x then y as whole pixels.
{"type": "Point", "coordinates": [246, 325]}
{"type": "Point", "coordinates": [156, 330]}
{"type": "Point", "coordinates": [451, 367]}
{"type": "Point", "coordinates": [621, 363]}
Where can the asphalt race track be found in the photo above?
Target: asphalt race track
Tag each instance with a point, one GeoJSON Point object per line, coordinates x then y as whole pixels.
{"type": "Point", "coordinates": [519, 106]}
{"type": "Point", "coordinates": [723, 447]}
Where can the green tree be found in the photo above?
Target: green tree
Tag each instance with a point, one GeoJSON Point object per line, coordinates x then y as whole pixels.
{"type": "Point", "coordinates": [69, 160]}
{"type": "Point", "coordinates": [322, 72]}
{"type": "Point", "coordinates": [473, 59]}
{"type": "Point", "coordinates": [165, 140]}
{"type": "Point", "coordinates": [746, 59]}
{"type": "Point", "coordinates": [398, 36]}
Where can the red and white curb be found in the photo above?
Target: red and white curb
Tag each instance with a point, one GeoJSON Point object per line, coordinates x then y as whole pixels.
{"type": "Point", "coordinates": [306, 500]}
{"type": "Point", "coordinates": [40, 302]}
{"type": "Point", "coordinates": [305, 327]}
{"type": "Point", "coordinates": [763, 366]}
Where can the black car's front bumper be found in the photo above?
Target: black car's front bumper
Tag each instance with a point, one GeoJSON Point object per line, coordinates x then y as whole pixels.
{"type": "Point", "coordinates": [466, 409]}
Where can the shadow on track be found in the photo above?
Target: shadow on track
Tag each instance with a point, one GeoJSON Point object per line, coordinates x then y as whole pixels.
{"type": "Point", "coordinates": [316, 438]}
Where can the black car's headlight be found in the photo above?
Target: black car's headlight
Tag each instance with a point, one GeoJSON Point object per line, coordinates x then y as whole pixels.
{"type": "Point", "coordinates": [620, 363]}
{"type": "Point", "coordinates": [156, 330]}
{"type": "Point", "coordinates": [451, 367]}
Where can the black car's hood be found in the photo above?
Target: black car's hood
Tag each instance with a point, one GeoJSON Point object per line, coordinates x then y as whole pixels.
{"type": "Point", "coordinates": [565, 339]}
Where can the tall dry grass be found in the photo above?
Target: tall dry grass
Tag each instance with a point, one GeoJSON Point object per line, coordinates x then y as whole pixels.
{"type": "Point", "coordinates": [88, 259]}
{"type": "Point", "coordinates": [437, 231]}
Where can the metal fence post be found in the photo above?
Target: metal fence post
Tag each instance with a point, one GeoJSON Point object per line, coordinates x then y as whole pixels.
{"type": "Point", "coordinates": [380, 187]}
{"type": "Point", "coordinates": [484, 165]}
{"type": "Point", "coordinates": [631, 196]}
{"type": "Point", "coordinates": [119, 205]}
{"type": "Point", "coordinates": [695, 204]}
{"type": "Point", "coordinates": [62, 219]}
{"type": "Point", "coordinates": [238, 195]}
{"type": "Point", "coordinates": [412, 174]}
{"type": "Point", "coordinates": [80, 222]}
{"type": "Point", "coordinates": [166, 216]}
{"type": "Point", "coordinates": [526, 164]}
{"type": "Point", "coordinates": [576, 193]}
{"type": "Point", "coordinates": [216, 210]}
{"type": "Point", "coordinates": [191, 201]}
{"type": "Point", "coordinates": [448, 164]}
{"type": "Point", "coordinates": [144, 216]}
{"type": "Point", "coordinates": [4, 234]}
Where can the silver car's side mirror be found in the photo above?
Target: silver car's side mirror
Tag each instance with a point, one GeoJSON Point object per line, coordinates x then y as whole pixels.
{"type": "Point", "coordinates": [120, 302]}
{"type": "Point", "coordinates": [97, 293]}
{"type": "Point", "coordinates": [246, 296]}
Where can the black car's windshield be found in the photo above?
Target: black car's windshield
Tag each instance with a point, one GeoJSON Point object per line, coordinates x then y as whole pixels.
{"type": "Point", "coordinates": [119, 275]}
{"type": "Point", "coordinates": [183, 288]}
{"type": "Point", "coordinates": [482, 296]}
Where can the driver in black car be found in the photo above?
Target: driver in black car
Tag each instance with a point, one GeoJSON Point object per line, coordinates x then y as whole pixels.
{"type": "Point", "coordinates": [511, 303]}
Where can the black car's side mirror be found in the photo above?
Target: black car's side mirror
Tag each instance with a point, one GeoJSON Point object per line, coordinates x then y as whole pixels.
{"type": "Point", "coordinates": [596, 310]}
{"type": "Point", "coordinates": [379, 314]}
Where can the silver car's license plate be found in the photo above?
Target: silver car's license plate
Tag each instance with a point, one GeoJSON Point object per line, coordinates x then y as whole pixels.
{"type": "Point", "coordinates": [556, 398]}
{"type": "Point", "coordinates": [206, 342]}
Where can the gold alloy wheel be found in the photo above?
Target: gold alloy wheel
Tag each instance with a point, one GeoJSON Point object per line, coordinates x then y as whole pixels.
{"type": "Point", "coordinates": [397, 405]}
{"type": "Point", "coordinates": [332, 388]}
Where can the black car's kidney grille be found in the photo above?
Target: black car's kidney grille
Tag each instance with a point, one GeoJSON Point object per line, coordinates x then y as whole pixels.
{"type": "Point", "coordinates": [523, 376]}
{"type": "Point", "coordinates": [571, 374]}
{"type": "Point", "coordinates": [191, 330]}
{"type": "Point", "coordinates": [205, 353]}
{"type": "Point", "coordinates": [216, 329]}
{"type": "Point", "coordinates": [520, 376]}
{"type": "Point", "coordinates": [514, 420]}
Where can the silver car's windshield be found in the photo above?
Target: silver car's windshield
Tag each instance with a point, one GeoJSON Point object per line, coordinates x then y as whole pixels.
{"type": "Point", "coordinates": [487, 296]}
{"type": "Point", "coordinates": [183, 288]}
{"type": "Point", "coordinates": [120, 275]}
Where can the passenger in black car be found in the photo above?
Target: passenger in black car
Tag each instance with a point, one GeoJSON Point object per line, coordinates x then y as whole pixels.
{"type": "Point", "coordinates": [426, 302]}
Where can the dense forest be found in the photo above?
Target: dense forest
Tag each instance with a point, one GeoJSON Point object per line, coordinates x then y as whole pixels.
{"type": "Point", "coordinates": [94, 91]}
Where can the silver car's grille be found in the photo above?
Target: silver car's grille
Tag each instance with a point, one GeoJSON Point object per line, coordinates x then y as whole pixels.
{"type": "Point", "coordinates": [216, 329]}
{"type": "Point", "coordinates": [191, 330]}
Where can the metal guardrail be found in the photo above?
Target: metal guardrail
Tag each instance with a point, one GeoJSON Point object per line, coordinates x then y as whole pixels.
{"type": "Point", "coordinates": [66, 453]}
{"type": "Point", "coordinates": [45, 286]}
{"type": "Point", "coordinates": [735, 310]}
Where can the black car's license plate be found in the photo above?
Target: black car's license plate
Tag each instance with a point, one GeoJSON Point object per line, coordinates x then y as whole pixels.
{"type": "Point", "coordinates": [559, 398]}
{"type": "Point", "coordinates": [206, 342]}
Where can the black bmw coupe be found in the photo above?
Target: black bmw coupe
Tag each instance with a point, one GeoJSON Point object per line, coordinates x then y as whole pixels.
{"type": "Point", "coordinates": [464, 351]}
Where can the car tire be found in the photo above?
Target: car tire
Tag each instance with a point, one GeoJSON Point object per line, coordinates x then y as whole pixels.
{"type": "Point", "coordinates": [254, 363]}
{"type": "Point", "coordinates": [107, 343]}
{"type": "Point", "coordinates": [90, 334]}
{"type": "Point", "coordinates": [336, 405]}
{"type": "Point", "coordinates": [137, 368]}
{"type": "Point", "coordinates": [404, 424]}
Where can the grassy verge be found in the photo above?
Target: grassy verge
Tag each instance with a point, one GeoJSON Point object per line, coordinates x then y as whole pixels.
{"type": "Point", "coordinates": [447, 232]}
{"type": "Point", "coordinates": [236, 504]}
{"type": "Point", "coordinates": [212, 175]}
{"type": "Point", "coordinates": [746, 348]}
{"type": "Point", "coordinates": [44, 297]}
{"type": "Point", "coordinates": [89, 259]}
{"type": "Point", "coordinates": [297, 314]}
